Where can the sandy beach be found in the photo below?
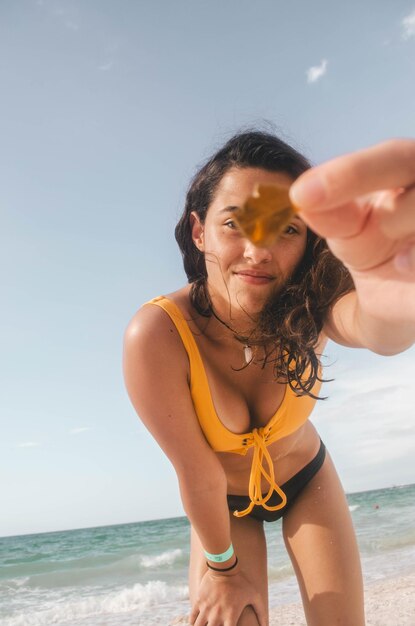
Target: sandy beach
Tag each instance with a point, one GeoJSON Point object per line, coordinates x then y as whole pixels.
{"type": "Point", "coordinates": [390, 602]}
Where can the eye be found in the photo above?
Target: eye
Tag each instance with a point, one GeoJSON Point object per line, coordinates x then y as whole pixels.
{"type": "Point", "coordinates": [231, 224]}
{"type": "Point", "coordinates": [291, 230]}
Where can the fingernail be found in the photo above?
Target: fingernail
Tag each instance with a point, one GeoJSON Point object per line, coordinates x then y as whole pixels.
{"type": "Point", "coordinates": [308, 191]}
{"type": "Point", "coordinates": [405, 260]}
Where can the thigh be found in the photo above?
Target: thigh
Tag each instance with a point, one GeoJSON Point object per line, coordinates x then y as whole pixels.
{"type": "Point", "coordinates": [248, 539]}
{"type": "Point", "coordinates": [320, 539]}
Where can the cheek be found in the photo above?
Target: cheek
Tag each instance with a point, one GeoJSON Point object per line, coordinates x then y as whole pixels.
{"type": "Point", "coordinates": [223, 245]}
{"type": "Point", "coordinates": [216, 254]}
{"type": "Point", "coordinates": [290, 254]}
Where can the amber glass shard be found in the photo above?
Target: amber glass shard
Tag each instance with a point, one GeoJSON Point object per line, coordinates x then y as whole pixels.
{"type": "Point", "coordinates": [265, 215]}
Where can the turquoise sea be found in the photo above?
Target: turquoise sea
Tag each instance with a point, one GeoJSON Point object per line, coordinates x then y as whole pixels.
{"type": "Point", "coordinates": [136, 574]}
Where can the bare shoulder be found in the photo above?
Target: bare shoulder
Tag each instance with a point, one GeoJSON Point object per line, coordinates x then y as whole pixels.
{"type": "Point", "coordinates": [156, 375]}
{"type": "Point", "coordinates": [149, 320]}
{"type": "Point", "coordinates": [152, 328]}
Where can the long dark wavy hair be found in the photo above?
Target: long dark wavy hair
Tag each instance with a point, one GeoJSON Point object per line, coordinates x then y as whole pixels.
{"type": "Point", "coordinates": [291, 321]}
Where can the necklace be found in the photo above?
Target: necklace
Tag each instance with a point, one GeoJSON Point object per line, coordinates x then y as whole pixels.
{"type": "Point", "coordinates": [248, 354]}
{"type": "Point", "coordinates": [247, 349]}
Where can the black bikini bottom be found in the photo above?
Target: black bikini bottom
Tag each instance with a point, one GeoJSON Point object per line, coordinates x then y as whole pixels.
{"type": "Point", "coordinates": [292, 488]}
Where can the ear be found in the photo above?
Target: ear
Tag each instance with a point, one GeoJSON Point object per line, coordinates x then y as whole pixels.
{"type": "Point", "coordinates": [197, 231]}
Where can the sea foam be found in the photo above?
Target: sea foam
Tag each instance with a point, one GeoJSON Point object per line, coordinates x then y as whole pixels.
{"type": "Point", "coordinates": [165, 558]}
{"type": "Point", "coordinates": [133, 599]}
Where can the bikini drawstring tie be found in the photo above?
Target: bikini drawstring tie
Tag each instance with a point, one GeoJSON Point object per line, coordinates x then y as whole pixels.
{"type": "Point", "coordinates": [258, 440]}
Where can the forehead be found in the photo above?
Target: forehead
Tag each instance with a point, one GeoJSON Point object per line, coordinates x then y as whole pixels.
{"type": "Point", "coordinates": [238, 183]}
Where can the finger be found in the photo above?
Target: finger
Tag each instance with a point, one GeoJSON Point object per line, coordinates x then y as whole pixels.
{"type": "Point", "coordinates": [387, 165]}
{"type": "Point", "coordinates": [195, 617]}
{"type": "Point", "coordinates": [354, 231]}
{"type": "Point", "coordinates": [345, 221]}
{"type": "Point", "coordinates": [364, 250]}
{"type": "Point", "coordinates": [399, 220]}
{"type": "Point", "coordinates": [201, 620]}
{"type": "Point", "coordinates": [261, 613]}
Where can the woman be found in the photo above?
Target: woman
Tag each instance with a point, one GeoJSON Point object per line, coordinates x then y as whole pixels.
{"type": "Point", "coordinates": [225, 371]}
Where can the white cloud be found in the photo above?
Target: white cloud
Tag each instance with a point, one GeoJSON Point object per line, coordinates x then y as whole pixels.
{"type": "Point", "coordinates": [81, 429]}
{"type": "Point", "coordinates": [106, 66]}
{"type": "Point", "coordinates": [408, 24]}
{"type": "Point", "coordinates": [368, 420]}
{"type": "Point", "coordinates": [316, 72]}
{"type": "Point", "coordinates": [379, 449]}
{"type": "Point", "coordinates": [28, 444]}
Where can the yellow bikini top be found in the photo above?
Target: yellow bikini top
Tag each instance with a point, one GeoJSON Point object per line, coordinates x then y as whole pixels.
{"type": "Point", "coordinates": [292, 413]}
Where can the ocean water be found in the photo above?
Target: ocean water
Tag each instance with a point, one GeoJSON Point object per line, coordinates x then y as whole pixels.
{"type": "Point", "coordinates": [136, 574]}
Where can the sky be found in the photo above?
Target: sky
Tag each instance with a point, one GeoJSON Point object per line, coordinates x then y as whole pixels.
{"type": "Point", "coordinates": [107, 109]}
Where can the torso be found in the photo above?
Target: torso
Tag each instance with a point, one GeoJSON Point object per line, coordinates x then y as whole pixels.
{"type": "Point", "coordinates": [247, 399]}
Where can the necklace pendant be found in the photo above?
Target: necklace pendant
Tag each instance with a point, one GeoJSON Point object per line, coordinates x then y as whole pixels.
{"type": "Point", "coordinates": [248, 354]}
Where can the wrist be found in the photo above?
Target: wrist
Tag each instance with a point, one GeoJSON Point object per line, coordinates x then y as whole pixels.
{"type": "Point", "coordinates": [221, 558]}
{"type": "Point", "coordinates": [223, 567]}
{"type": "Point", "coordinates": [222, 564]}
{"type": "Point", "coordinates": [224, 570]}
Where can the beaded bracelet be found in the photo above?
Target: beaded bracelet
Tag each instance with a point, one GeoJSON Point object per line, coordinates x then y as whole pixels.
{"type": "Point", "coordinates": [219, 558]}
{"type": "Point", "coordinates": [225, 569]}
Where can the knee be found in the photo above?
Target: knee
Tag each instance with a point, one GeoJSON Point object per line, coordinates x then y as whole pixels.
{"type": "Point", "coordinates": [248, 617]}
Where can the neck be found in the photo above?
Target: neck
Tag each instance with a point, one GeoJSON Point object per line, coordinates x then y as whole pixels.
{"type": "Point", "coordinates": [227, 319]}
{"type": "Point", "coordinates": [227, 323]}
{"type": "Point", "coordinates": [239, 319]}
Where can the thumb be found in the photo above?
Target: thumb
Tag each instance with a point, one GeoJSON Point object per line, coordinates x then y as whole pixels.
{"type": "Point", "coordinates": [387, 165]}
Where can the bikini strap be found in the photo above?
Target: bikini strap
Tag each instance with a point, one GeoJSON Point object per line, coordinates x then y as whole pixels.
{"type": "Point", "coordinates": [181, 325]}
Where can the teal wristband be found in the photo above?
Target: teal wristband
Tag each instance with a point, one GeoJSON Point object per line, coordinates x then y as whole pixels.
{"type": "Point", "coordinates": [219, 558]}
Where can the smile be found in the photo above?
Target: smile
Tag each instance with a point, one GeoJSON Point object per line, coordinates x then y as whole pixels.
{"type": "Point", "coordinates": [255, 279]}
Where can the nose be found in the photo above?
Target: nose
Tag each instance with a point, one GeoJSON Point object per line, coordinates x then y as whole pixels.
{"type": "Point", "coordinates": [256, 254]}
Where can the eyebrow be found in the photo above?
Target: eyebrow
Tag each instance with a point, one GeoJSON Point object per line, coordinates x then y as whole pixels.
{"type": "Point", "coordinates": [229, 209]}
{"type": "Point", "coordinates": [232, 209]}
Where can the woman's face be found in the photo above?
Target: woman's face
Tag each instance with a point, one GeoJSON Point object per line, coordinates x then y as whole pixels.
{"type": "Point", "coordinates": [238, 271]}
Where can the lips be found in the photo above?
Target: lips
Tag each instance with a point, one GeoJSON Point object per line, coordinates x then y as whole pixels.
{"type": "Point", "coordinates": [255, 278]}
{"type": "Point", "coordinates": [255, 274]}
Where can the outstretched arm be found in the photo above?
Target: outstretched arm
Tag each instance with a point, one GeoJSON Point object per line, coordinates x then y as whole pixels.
{"type": "Point", "coordinates": [363, 204]}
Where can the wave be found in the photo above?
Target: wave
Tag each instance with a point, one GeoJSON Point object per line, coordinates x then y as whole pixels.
{"type": "Point", "coordinates": [137, 598]}
{"type": "Point", "coordinates": [280, 572]}
{"type": "Point", "coordinates": [387, 543]}
{"type": "Point", "coordinates": [14, 582]}
{"type": "Point", "coordinates": [165, 558]}
{"type": "Point", "coordinates": [29, 558]}
{"type": "Point", "coordinates": [353, 507]}
{"type": "Point", "coordinates": [90, 571]}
